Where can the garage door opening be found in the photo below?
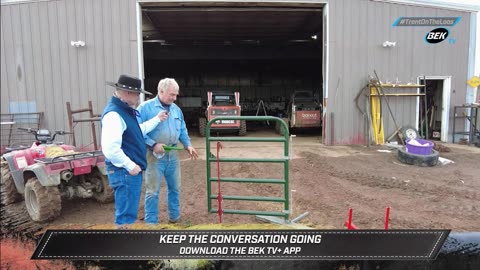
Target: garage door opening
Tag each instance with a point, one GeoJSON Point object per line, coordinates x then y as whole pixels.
{"type": "Point", "coordinates": [264, 52]}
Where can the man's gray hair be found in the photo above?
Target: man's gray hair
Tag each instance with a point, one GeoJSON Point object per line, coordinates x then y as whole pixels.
{"type": "Point", "coordinates": [167, 83]}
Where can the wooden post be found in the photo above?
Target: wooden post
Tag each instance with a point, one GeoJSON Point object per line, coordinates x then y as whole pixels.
{"type": "Point", "coordinates": [70, 123]}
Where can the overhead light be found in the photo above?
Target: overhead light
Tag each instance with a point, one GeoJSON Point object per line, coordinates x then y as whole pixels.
{"type": "Point", "coordinates": [314, 37]}
{"type": "Point", "coordinates": [299, 40]}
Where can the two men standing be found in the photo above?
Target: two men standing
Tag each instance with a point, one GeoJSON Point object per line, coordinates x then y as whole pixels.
{"type": "Point", "coordinates": [124, 143]}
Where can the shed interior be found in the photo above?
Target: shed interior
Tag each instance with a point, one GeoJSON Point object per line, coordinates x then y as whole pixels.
{"type": "Point", "coordinates": [264, 52]}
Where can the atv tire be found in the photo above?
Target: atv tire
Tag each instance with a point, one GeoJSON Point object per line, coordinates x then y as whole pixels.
{"type": "Point", "coordinates": [243, 128]}
{"type": "Point", "coordinates": [103, 193]}
{"type": "Point", "coordinates": [419, 160]}
{"type": "Point", "coordinates": [8, 190]}
{"type": "Point", "coordinates": [43, 203]}
{"type": "Point", "coordinates": [202, 126]}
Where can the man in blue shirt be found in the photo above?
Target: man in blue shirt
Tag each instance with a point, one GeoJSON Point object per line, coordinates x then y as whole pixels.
{"type": "Point", "coordinates": [163, 163]}
{"type": "Point", "coordinates": [124, 148]}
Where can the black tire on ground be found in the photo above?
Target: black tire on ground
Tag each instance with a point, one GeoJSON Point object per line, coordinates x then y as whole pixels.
{"type": "Point", "coordinates": [43, 203]}
{"type": "Point", "coordinates": [202, 126]}
{"type": "Point", "coordinates": [243, 128]}
{"type": "Point", "coordinates": [103, 193]}
{"type": "Point", "coordinates": [419, 160]}
{"type": "Point", "coordinates": [409, 132]}
{"type": "Point", "coordinates": [8, 190]}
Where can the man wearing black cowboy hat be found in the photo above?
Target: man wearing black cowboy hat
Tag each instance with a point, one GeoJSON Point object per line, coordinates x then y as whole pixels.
{"type": "Point", "coordinates": [124, 147]}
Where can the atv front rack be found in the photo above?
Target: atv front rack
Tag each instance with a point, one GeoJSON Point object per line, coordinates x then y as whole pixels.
{"type": "Point", "coordinates": [69, 157]}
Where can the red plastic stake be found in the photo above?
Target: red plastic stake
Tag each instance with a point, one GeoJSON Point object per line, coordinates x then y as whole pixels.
{"type": "Point", "coordinates": [387, 217]}
{"type": "Point", "coordinates": [348, 223]}
{"type": "Point", "coordinates": [219, 192]}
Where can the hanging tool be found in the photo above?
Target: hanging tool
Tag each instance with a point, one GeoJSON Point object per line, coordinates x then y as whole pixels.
{"type": "Point", "coordinates": [400, 135]}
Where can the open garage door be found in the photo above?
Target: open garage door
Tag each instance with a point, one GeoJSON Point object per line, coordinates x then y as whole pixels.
{"type": "Point", "coordinates": [264, 51]}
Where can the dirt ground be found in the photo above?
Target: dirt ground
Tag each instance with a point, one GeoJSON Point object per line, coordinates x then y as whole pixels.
{"type": "Point", "coordinates": [325, 181]}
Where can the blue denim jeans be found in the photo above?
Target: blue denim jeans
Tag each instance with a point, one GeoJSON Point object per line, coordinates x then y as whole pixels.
{"type": "Point", "coordinates": [127, 190]}
{"type": "Point", "coordinates": [169, 167]}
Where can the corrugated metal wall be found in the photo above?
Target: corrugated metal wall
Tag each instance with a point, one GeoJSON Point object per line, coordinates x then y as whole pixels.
{"type": "Point", "coordinates": [357, 30]}
{"type": "Point", "coordinates": [40, 66]}
{"type": "Point", "coordinates": [41, 71]}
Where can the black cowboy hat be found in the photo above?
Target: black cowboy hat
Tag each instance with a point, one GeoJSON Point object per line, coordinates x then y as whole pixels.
{"type": "Point", "coordinates": [130, 84]}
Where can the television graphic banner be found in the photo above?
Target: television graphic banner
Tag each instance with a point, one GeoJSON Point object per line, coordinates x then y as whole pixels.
{"type": "Point", "coordinates": [233, 244]}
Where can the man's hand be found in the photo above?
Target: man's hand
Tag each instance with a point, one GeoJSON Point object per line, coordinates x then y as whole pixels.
{"type": "Point", "coordinates": [163, 115]}
{"type": "Point", "coordinates": [159, 148]}
{"type": "Point", "coordinates": [192, 152]}
{"type": "Point", "coordinates": [135, 171]}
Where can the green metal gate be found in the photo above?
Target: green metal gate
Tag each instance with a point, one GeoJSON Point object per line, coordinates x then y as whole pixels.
{"type": "Point", "coordinates": [211, 158]}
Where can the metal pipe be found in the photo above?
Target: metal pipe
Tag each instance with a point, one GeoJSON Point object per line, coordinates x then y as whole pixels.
{"type": "Point", "coordinates": [425, 102]}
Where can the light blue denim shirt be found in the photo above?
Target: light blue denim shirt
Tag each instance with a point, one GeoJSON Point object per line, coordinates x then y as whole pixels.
{"type": "Point", "coordinates": [167, 132]}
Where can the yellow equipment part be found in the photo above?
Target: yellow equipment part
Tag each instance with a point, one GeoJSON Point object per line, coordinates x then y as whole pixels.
{"type": "Point", "coordinates": [377, 119]}
{"type": "Point", "coordinates": [56, 151]}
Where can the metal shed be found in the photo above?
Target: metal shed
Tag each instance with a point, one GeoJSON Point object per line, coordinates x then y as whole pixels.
{"type": "Point", "coordinates": [266, 48]}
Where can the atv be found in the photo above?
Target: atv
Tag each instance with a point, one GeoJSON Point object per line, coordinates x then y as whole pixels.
{"type": "Point", "coordinates": [49, 171]}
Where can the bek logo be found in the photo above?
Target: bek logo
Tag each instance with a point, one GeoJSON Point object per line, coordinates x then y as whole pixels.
{"type": "Point", "coordinates": [436, 35]}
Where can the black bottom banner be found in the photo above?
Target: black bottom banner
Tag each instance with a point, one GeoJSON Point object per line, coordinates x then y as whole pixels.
{"type": "Point", "coordinates": [241, 245]}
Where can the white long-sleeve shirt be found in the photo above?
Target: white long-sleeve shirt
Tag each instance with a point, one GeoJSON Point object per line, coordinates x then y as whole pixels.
{"type": "Point", "coordinates": [113, 127]}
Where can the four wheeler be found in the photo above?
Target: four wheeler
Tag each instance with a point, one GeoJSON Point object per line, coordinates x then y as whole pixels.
{"type": "Point", "coordinates": [223, 104]}
{"type": "Point", "coordinates": [48, 171]}
{"type": "Point", "coordinates": [303, 111]}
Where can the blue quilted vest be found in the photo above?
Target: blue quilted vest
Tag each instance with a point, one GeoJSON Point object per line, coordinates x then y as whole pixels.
{"type": "Point", "coordinates": [133, 143]}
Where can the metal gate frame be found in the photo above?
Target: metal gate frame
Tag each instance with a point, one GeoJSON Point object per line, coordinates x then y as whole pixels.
{"type": "Point", "coordinates": [285, 159]}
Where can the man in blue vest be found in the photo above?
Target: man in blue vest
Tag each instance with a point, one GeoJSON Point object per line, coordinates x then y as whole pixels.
{"type": "Point", "coordinates": [124, 147]}
{"type": "Point", "coordinates": [164, 163]}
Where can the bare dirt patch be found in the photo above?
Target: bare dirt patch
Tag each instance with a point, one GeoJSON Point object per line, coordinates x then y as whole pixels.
{"type": "Point", "coordinates": [325, 181]}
